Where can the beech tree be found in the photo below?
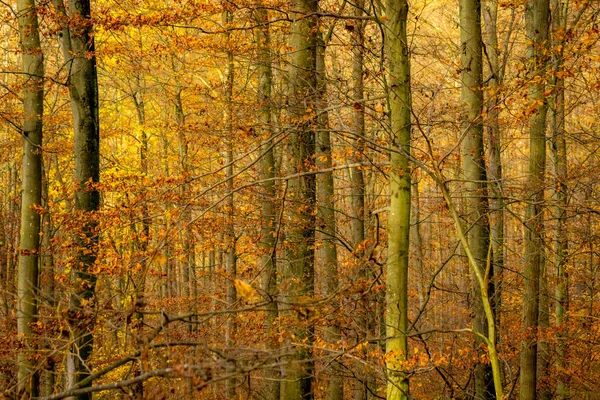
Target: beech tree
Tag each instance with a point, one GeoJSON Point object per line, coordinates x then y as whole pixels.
{"type": "Point", "coordinates": [474, 170]}
{"type": "Point", "coordinates": [31, 200]}
{"type": "Point", "coordinates": [78, 48]}
{"type": "Point", "coordinates": [537, 24]}
{"type": "Point", "coordinates": [299, 271]}
{"type": "Point", "coordinates": [399, 99]}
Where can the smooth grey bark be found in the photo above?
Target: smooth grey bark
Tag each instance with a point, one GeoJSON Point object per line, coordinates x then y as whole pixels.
{"type": "Point", "coordinates": [326, 225]}
{"type": "Point", "coordinates": [537, 24]}
{"type": "Point", "coordinates": [31, 195]}
{"type": "Point", "coordinates": [78, 48]}
{"type": "Point", "coordinates": [399, 100]}
{"type": "Point", "coordinates": [267, 168]}
{"type": "Point", "coordinates": [299, 270]}
{"type": "Point", "coordinates": [474, 172]}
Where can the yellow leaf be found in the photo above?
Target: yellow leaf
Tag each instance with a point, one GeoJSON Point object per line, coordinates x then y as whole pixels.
{"type": "Point", "coordinates": [244, 290]}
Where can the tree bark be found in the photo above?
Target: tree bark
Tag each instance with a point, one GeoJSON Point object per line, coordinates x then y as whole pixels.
{"type": "Point", "coordinates": [269, 222]}
{"type": "Point", "coordinates": [494, 160]}
{"type": "Point", "coordinates": [31, 196]}
{"type": "Point", "coordinates": [326, 218]}
{"type": "Point", "coordinates": [77, 43]}
{"type": "Point", "coordinates": [537, 21]}
{"type": "Point", "coordinates": [474, 172]}
{"type": "Point", "coordinates": [140, 243]}
{"type": "Point", "coordinates": [399, 100]}
{"type": "Point", "coordinates": [559, 161]}
{"type": "Point", "coordinates": [299, 272]}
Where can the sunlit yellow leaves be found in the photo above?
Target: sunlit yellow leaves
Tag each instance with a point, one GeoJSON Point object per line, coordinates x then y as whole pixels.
{"type": "Point", "coordinates": [245, 291]}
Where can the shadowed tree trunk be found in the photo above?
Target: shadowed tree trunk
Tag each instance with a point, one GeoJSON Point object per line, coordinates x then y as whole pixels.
{"type": "Point", "coordinates": [357, 180]}
{"type": "Point", "coordinates": [31, 196]}
{"type": "Point", "coordinates": [269, 221]}
{"type": "Point", "coordinates": [559, 160]}
{"type": "Point", "coordinates": [326, 218]}
{"type": "Point", "coordinates": [299, 271]}
{"type": "Point", "coordinates": [475, 177]}
{"type": "Point", "coordinates": [77, 43]}
{"type": "Point", "coordinates": [47, 284]}
{"type": "Point", "coordinates": [537, 21]}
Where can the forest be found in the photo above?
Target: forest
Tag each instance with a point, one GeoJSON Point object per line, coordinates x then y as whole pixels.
{"type": "Point", "coordinates": [300, 199]}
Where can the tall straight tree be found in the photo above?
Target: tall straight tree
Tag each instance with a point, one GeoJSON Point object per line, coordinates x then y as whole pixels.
{"type": "Point", "coordinates": [326, 215]}
{"type": "Point", "coordinates": [475, 174]}
{"type": "Point", "coordinates": [490, 17]}
{"type": "Point", "coordinates": [78, 48]}
{"type": "Point", "coordinates": [267, 173]}
{"type": "Point", "coordinates": [357, 183]}
{"type": "Point", "coordinates": [302, 193]}
{"type": "Point", "coordinates": [231, 257]}
{"type": "Point", "coordinates": [31, 195]}
{"type": "Point", "coordinates": [537, 25]}
{"type": "Point", "coordinates": [556, 121]}
{"type": "Point", "coordinates": [399, 100]}
{"type": "Point", "coordinates": [358, 126]}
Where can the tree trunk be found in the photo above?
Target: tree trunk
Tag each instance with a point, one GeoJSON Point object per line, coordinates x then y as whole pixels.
{"type": "Point", "coordinates": [140, 243]}
{"type": "Point", "coordinates": [79, 52]}
{"type": "Point", "coordinates": [297, 383]}
{"type": "Point", "coordinates": [231, 257]}
{"type": "Point", "coordinates": [357, 182]}
{"type": "Point", "coordinates": [269, 222]}
{"type": "Point", "coordinates": [327, 252]}
{"type": "Point", "coordinates": [537, 20]}
{"type": "Point", "coordinates": [475, 177]}
{"type": "Point", "coordinates": [31, 196]}
{"type": "Point", "coordinates": [494, 159]}
{"type": "Point", "coordinates": [48, 378]}
{"type": "Point", "coordinates": [399, 100]}
{"type": "Point", "coordinates": [559, 160]}
{"type": "Point", "coordinates": [187, 236]}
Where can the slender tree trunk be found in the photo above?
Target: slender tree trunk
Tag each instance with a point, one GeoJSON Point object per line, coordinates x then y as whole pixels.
{"type": "Point", "coordinates": [301, 232]}
{"type": "Point", "coordinates": [559, 160]}
{"type": "Point", "coordinates": [190, 283]}
{"type": "Point", "coordinates": [268, 212]}
{"type": "Point", "coordinates": [79, 52]}
{"type": "Point", "coordinates": [31, 196]}
{"type": "Point", "coordinates": [537, 21]}
{"type": "Point", "coordinates": [474, 172]}
{"type": "Point", "coordinates": [399, 99]}
{"type": "Point", "coordinates": [357, 180]}
{"type": "Point", "coordinates": [494, 159]}
{"type": "Point", "coordinates": [48, 378]}
{"type": "Point", "coordinates": [358, 128]}
{"type": "Point", "coordinates": [326, 218]}
{"type": "Point", "coordinates": [231, 257]}
{"type": "Point", "coordinates": [140, 243]}
{"type": "Point", "coordinates": [187, 239]}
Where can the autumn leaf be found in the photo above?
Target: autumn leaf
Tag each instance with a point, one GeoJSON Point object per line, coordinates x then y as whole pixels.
{"type": "Point", "coordinates": [245, 290]}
